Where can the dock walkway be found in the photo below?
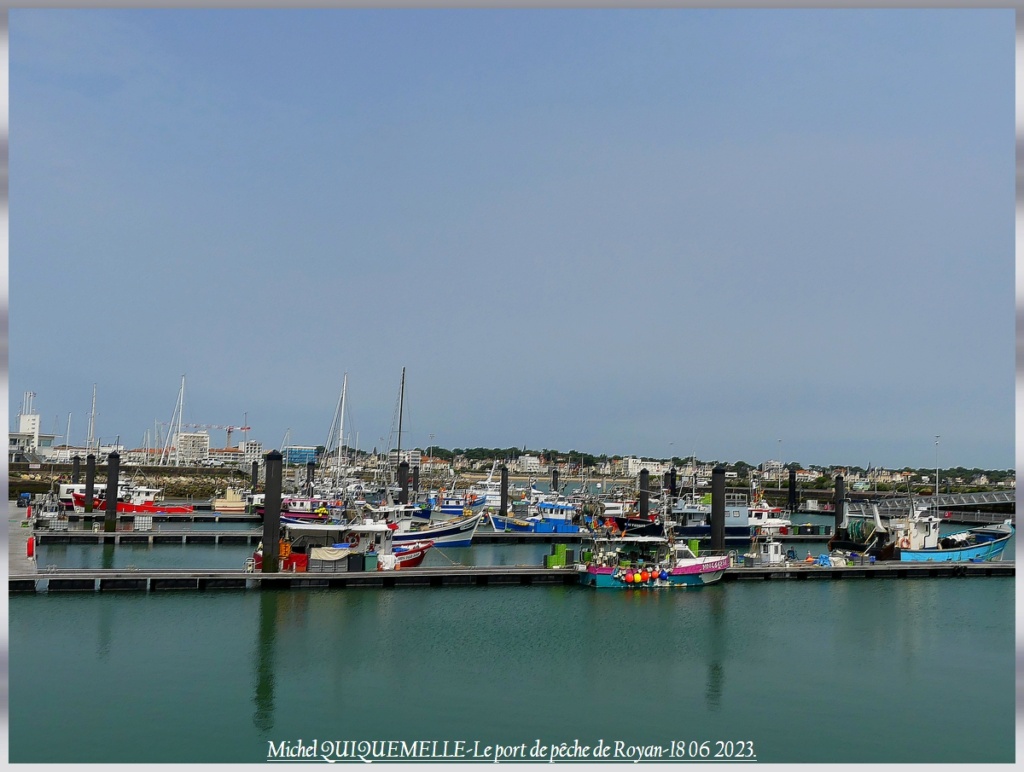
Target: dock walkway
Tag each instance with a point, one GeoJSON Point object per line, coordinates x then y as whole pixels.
{"type": "Point", "coordinates": [97, 580]}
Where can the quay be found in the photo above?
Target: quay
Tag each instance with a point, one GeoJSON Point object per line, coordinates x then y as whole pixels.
{"type": "Point", "coordinates": [105, 580]}
{"type": "Point", "coordinates": [129, 536]}
{"type": "Point", "coordinates": [147, 537]}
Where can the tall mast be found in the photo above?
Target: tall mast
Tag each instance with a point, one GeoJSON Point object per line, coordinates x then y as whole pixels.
{"type": "Point", "coordinates": [174, 429]}
{"type": "Point", "coordinates": [92, 421]}
{"type": "Point", "coordinates": [341, 426]}
{"type": "Point", "coordinates": [401, 403]}
{"type": "Point", "coordinates": [67, 439]}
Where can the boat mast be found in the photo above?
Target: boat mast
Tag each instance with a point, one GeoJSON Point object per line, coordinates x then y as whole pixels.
{"type": "Point", "coordinates": [401, 404]}
{"type": "Point", "coordinates": [92, 421]}
{"type": "Point", "coordinates": [173, 430]}
{"type": "Point", "coordinates": [341, 429]}
{"type": "Point", "coordinates": [67, 439]}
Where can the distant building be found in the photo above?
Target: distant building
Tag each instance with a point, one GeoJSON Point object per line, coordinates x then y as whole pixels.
{"type": "Point", "coordinates": [28, 443]}
{"type": "Point", "coordinates": [411, 456]}
{"type": "Point", "coordinates": [252, 450]}
{"type": "Point", "coordinates": [634, 465]}
{"type": "Point", "coordinates": [191, 448]}
{"type": "Point", "coordinates": [529, 464]}
{"type": "Point", "coordinates": [298, 454]}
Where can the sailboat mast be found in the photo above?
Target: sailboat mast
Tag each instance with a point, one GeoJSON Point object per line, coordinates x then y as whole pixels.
{"type": "Point", "coordinates": [401, 407]}
{"type": "Point", "coordinates": [92, 421]}
{"type": "Point", "coordinates": [341, 427]}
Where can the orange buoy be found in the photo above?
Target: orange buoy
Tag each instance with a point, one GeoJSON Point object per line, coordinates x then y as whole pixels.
{"type": "Point", "coordinates": [30, 546]}
{"type": "Point", "coordinates": [644, 576]}
{"type": "Point", "coordinates": [28, 512]}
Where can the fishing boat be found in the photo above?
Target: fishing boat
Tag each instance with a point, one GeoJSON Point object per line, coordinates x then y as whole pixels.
{"type": "Point", "coordinates": [488, 489]}
{"type": "Point", "coordinates": [648, 562]}
{"type": "Point", "coordinates": [233, 500]}
{"type": "Point", "coordinates": [342, 547]}
{"type": "Point", "coordinates": [66, 491]}
{"type": "Point", "coordinates": [914, 537]}
{"type": "Point", "coordinates": [691, 519]}
{"type": "Point", "coordinates": [620, 517]}
{"type": "Point", "coordinates": [444, 504]}
{"type": "Point", "coordinates": [134, 501]}
{"type": "Point", "coordinates": [309, 509]}
{"type": "Point", "coordinates": [511, 522]}
{"type": "Point", "coordinates": [982, 543]}
{"type": "Point", "coordinates": [453, 532]}
{"type": "Point", "coordinates": [766, 520]}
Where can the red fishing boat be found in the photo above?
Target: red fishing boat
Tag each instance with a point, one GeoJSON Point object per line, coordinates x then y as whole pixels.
{"type": "Point", "coordinates": [342, 547]}
{"type": "Point", "coordinates": [142, 501]}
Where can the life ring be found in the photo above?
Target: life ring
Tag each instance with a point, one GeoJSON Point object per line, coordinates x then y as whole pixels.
{"type": "Point", "coordinates": [354, 541]}
{"type": "Point", "coordinates": [905, 543]}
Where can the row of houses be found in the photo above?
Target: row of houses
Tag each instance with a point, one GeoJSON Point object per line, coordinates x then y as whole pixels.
{"type": "Point", "coordinates": [194, 449]}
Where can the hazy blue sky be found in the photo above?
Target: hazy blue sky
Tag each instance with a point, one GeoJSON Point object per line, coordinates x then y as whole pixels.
{"type": "Point", "coordinates": [641, 232]}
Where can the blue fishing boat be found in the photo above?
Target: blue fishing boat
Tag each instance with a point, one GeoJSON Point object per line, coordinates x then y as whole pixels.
{"type": "Point", "coordinates": [445, 505]}
{"type": "Point", "coordinates": [981, 543]}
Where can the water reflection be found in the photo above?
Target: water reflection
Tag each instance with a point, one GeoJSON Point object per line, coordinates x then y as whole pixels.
{"type": "Point", "coordinates": [716, 670]}
{"type": "Point", "coordinates": [263, 716]}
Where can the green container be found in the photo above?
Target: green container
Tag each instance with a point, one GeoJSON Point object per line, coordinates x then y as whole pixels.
{"type": "Point", "coordinates": [694, 544]}
{"type": "Point", "coordinates": [586, 557]}
{"type": "Point", "coordinates": [370, 562]}
{"type": "Point", "coordinates": [560, 550]}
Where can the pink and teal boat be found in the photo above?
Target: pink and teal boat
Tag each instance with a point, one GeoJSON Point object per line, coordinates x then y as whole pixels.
{"type": "Point", "coordinates": [648, 562]}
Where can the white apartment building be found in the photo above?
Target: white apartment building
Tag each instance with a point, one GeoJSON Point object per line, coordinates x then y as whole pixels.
{"type": "Point", "coordinates": [190, 448]}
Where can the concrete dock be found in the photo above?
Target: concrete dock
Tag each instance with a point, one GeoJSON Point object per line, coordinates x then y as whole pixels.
{"type": "Point", "coordinates": [150, 580]}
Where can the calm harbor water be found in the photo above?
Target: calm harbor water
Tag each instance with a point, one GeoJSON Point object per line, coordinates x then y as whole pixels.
{"type": "Point", "coordinates": [858, 671]}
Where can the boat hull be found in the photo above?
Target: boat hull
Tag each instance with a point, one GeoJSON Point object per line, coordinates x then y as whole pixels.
{"type": "Point", "coordinates": [458, 533]}
{"type": "Point", "coordinates": [126, 507]}
{"type": "Point", "coordinates": [986, 547]}
{"type": "Point", "coordinates": [504, 523]}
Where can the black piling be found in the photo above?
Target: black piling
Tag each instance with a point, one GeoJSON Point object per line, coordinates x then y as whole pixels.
{"type": "Point", "coordinates": [416, 479]}
{"type": "Point", "coordinates": [504, 489]}
{"type": "Point", "coordinates": [645, 494]}
{"type": "Point", "coordinates": [840, 505]}
{"type": "Point", "coordinates": [554, 481]}
{"type": "Point", "coordinates": [793, 503]}
{"type": "Point", "coordinates": [309, 478]}
{"type": "Point", "coordinates": [90, 481]}
{"type": "Point", "coordinates": [666, 484]}
{"type": "Point", "coordinates": [718, 509]}
{"type": "Point", "coordinates": [76, 464]}
{"type": "Point", "coordinates": [255, 475]}
{"type": "Point", "coordinates": [113, 470]}
{"type": "Point", "coordinates": [403, 482]}
{"type": "Point", "coordinates": [272, 513]}
{"type": "Point", "coordinates": [673, 486]}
